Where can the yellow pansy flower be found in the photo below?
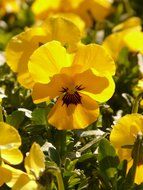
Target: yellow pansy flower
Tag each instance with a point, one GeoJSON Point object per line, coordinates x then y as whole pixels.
{"type": "Point", "coordinates": [10, 141]}
{"type": "Point", "coordinates": [21, 47]}
{"type": "Point", "coordinates": [124, 134]}
{"type": "Point", "coordinates": [86, 9]}
{"type": "Point", "coordinates": [35, 165]}
{"type": "Point", "coordinates": [9, 6]}
{"type": "Point", "coordinates": [77, 82]}
{"type": "Point", "coordinates": [125, 35]}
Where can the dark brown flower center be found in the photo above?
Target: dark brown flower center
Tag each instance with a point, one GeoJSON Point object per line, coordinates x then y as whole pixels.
{"type": "Point", "coordinates": [71, 96]}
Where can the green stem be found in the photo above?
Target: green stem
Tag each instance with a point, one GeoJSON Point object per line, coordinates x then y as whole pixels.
{"type": "Point", "coordinates": [128, 7]}
{"type": "Point", "coordinates": [57, 173]}
{"type": "Point", "coordinates": [136, 103]}
{"type": "Point", "coordinates": [91, 143]}
{"type": "Point", "coordinates": [1, 115]}
{"type": "Point", "coordinates": [60, 180]}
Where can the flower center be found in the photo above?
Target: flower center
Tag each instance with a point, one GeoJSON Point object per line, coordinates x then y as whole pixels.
{"type": "Point", "coordinates": [71, 96]}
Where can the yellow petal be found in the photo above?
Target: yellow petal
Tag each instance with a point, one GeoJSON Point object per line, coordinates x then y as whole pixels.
{"type": "Point", "coordinates": [100, 8]}
{"type": "Point", "coordinates": [74, 116]}
{"type": "Point", "coordinates": [74, 18]}
{"type": "Point", "coordinates": [133, 22]}
{"type": "Point", "coordinates": [93, 10]}
{"type": "Point", "coordinates": [12, 156]}
{"type": "Point", "coordinates": [15, 174]}
{"type": "Point", "coordinates": [9, 137]}
{"type": "Point", "coordinates": [47, 61]}
{"type": "Point", "coordinates": [114, 43]}
{"type": "Point", "coordinates": [5, 175]}
{"type": "Point", "coordinates": [44, 92]}
{"type": "Point", "coordinates": [26, 80]}
{"type": "Point", "coordinates": [138, 175]}
{"type": "Point", "coordinates": [41, 7]}
{"type": "Point", "coordinates": [125, 132]}
{"type": "Point", "coordinates": [25, 183]}
{"type": "Point", "coordinates": [59, 27]}
{"type": "Point", "coordinates": [94, 56]}
{"type": "Point", "coordinates": [98, 87]}
{"type": "Point", "coordinates": [35, 161]}
{"type": "Point", "coordinates": [20, 48]}
{"type": "Point", "coordinates": [134, 41]}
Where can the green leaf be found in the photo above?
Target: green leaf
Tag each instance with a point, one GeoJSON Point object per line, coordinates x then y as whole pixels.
{"type": "Point", "coordinates": [39, 116]}
{"type": "Point", "coordinates": [108, 160]}
{"type": "Point", "coordinates": [16, 118]}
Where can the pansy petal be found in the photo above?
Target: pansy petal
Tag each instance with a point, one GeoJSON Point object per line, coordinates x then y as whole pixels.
{"type": "Point", "coordinates": [75, 19]}
{"type": "Point", "coordinates": [100, 9]}
{"type": "Point", "coordinates": [112, 47]}
{"type": "Point", "coordinates": [138, 176]}
{"type": "Point", "coordinates": [134, 41]}
{"type": "Point", "coordinates": [21, 46]}
{"type": "Point", "coordinates": [59, 27]}
{"type": "Point", "coordinates": [26, 80]}
{"type": "Point", "coordinates": [12, 156]}
{"type": "Point", "coordinates": [25, 183]}
{"type": "Point", "coordinates": [15, 174]}
{"type": "Point", "coordinates": [121, 132]}
{"type": "Point", "coordinates": [5, 175]}
{"type": "Point", "coordinates": [44, 92]}
{"type": "Point", "coordinates": [96, 57]}
{"type": "Point", "coordinates": [35, 161]}
{"type": "Point", "coordinates": [79, 116]}
{"type": "Point", "coordinates": [9, 137]}
{"type": "Point", "coordinates": [131, 23]}
{"type": "Point", "coordinates": [19, 50]}
{"type": "Point", "coordinates": [41, 7]}
{"type": "Point", "coordinates": [98, 87]}
{"type": "Point", "coordinates": [47, 61]}
{"type": "Point", "coordinates": [125, 132]}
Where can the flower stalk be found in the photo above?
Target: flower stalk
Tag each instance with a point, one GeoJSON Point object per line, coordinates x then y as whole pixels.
{"type": "Point", "coordinates": [1, 115]}
{"type": "Point", "coordinates": [136, 103]}
{"type": "Point", "coordinates": [57, 173]}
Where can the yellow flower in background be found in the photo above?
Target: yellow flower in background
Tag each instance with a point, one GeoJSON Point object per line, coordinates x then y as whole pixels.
{"type": "Point", "coordinates": [21, 47]}
{"type": "Point", "coordinates": [9, 6]}
{"type": "Point", "coordinates": [134, 41]}
{"type": "Point", "coordinates": [94, 10]}
{"type": "Point", "coordinates": [125, 35]}
{"type": "Point", "coordinates": [124, 134]}
{"type": "Point", "coordinates": [75, 19]}
{"type": "Point", "coordinates": [130, 23]}
{"type": "Point", "coordinates": [35, 165]}
{"type": "Point", "coordinates": [77, 82]}
{"type": "Point", "coordinates": [88, 10]}
{"type": "Point", "coordinates": [139, 87]}
{"type": "Point", "coordinates": [10, 141]}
